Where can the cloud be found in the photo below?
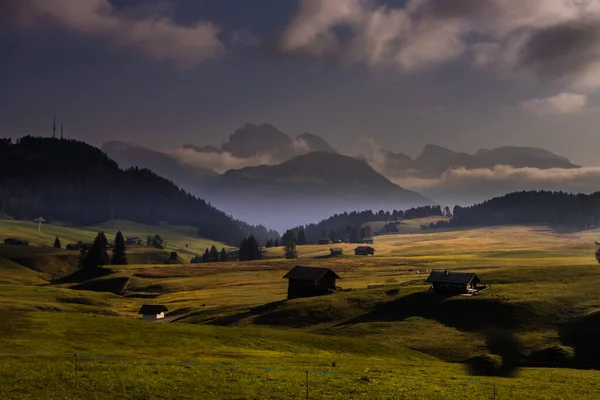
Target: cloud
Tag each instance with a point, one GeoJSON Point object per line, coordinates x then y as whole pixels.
{"type": "Point", "coordinates": [561, 104]}
{"type": "Point", "coordinates": [219, 161]}
{"type": "Point", "coordinates": [462, 186]}
{"type": "Point", "coordinates": [545, 39]}
{"type": "Point", "coordinates": [152, 34]}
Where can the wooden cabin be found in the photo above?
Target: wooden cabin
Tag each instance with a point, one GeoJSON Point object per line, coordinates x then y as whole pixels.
{"type": "Point", "coordinates": [336, 251]}
{"type": "Point", "coordinates": [453, 282]}
{"type": "Point", "coordinates": [324, 241]}
{"type": "Point", "coordinates": [310, 281]}
{"type": "Point", "coordinates": [133, 240]}
{"type": "Point", "coordinates": [364, 251]}
{"type": "Point", "coordinates": [16, 242]}
{"type": "Point", "coordinates": [152, 312]}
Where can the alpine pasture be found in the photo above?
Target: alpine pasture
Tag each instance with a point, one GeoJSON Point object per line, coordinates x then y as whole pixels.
{"type": "Point", "coordinates": [231, 333]}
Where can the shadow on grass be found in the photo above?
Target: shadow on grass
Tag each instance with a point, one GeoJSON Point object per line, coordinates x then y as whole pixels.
{"type": "Point", "coordinates": [467, 314]}
{"type": "Point", "coordinates": [255, 312]}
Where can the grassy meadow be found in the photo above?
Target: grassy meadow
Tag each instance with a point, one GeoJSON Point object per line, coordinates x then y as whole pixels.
{"type": "Point", "coordinates": [230, 333]}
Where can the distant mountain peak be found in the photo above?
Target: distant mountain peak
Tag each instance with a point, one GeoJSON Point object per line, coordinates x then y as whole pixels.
{"type": "Point", "coordinates": [316, 143]}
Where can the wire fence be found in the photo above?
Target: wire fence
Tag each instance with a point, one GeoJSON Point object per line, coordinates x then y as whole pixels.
{"type": "Point", "coordinates": [82, 375]}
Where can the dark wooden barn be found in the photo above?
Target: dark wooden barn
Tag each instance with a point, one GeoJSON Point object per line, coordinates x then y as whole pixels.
{"type": "Point", "coordinates": [310, 281]}
{"type": "Point", "coordinates": [336, 251]}
{"type": "Point", "coordinates": [324, 241]}
{"type": "Point", "coordinates": [453, 282]}
{"type": "Point", "coordinates": [16, 242]}
{"type": "Point", "coordinates": [364, 251]}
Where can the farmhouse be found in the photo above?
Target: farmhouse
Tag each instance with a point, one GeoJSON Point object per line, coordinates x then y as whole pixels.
{"type": "Point", "coordinates": [152, 312]}
{"type": "Point", "coordinates": [133, 240]}
{"type": "Point", "coordinates": [324, 241]}
{"type": "Point", "coordinates": [453, 282]}
{"type": "Point", "coordinates": [364, 251]}
{"type": "Point", "coordinates": [310, 281]}
{"type": "Point", "coordinates": [15, 241]}
{"type": "Point", "coordinates": [336, 251]}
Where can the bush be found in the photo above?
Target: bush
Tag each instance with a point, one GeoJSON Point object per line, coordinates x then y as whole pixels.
{"type": "Point", "coordinates": [483, 365]}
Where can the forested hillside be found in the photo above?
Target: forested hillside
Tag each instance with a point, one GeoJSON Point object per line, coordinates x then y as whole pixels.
{"type": "Point", "coordinates": [73, 182]}
{"type": "Point", "coordinates": [339, 225]}
{"type": "Point", "coordinates": [579, 211]}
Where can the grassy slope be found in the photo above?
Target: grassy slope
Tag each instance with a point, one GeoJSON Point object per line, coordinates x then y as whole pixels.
{"type": "Point", "coordinates": [545, 278]}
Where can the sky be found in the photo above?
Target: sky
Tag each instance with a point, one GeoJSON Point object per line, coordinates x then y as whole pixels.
{"type": "Point", "coordinates": [465, 74]}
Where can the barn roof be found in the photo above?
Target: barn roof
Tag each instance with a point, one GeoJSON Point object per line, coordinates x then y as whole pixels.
{"type": "Point", "coordinates": [451, 277]}
{"type": "Point", "coordinates": [364, 248]}
{"type": "Point", "coordinates": [152, 309]}
{"type": "Point", "coordinates": [308, 273]}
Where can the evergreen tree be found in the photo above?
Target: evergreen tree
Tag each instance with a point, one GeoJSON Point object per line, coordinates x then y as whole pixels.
{"type": "Point", "coordinates": [290, 250]}
{"type": "Point", "coordinates": [214, 254]}
{"type": "Point", "coordinates": [157, 242]}
{"type": "Point", "coordinates": [119, 257]}
{"type": "Point", "coordinates": [149, 241]}
{"type": "Point", "coordinates": [57, 243]}
{"type": "Point", "coordinates": [103, 239]}
{"type": "Point", "coordinates": [353, 235]}
{"type": "Point", "coordinates": [96, 256]}
{"type": "Point", "coordinates": [301, 237]}
{"type": "Point", "coordinates": [269, 243]}
{"type": "Point", "coordinates": [243, 252]}
{"type": "Point", "coordinates": [206, 256]}
{"type": "Point", "coordinates": [332, 235]}
{"type": "Point", "coordinates": [250, 250]}
{"type": "Point", "coordinates": [276, 243]}
{"type": "Point", "coordinates": [366, 232]}
{"type": "Point", "coordinates": [223, 257]}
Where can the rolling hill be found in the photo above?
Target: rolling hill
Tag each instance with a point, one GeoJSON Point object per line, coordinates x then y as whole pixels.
{"type": "Point", "coordinates": [73, 182]}
{"type": "Point", "coordinates": [307, 188]}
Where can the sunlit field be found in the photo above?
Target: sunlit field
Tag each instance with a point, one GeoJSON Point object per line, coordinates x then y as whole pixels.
{"type": "Point", "coordinates": [231, 333]}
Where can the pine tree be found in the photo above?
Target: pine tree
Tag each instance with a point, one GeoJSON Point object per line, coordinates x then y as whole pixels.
{"type": "Point", "coordinates": [206, 256]}
{"type": "Point", "coordinates": [149, 241]}
{"type": "Point", "coordinates": [157, 242]}
{"type": "Point", "coordinates": [223, 255]}
{"type": "Point", "coordinates": [119, 257]}
{"type": "Point", "coordinates": [96, 256]}
{"type": "Point", "coordinates": [301, 237]}
{"type": "Point", "coordinates": [254, 249]}
{"type": "Point", "coordinates": [243, 251]}
{"type": "Point", "coordinates": [57, 243]}
{"type": "Point", "coordinates": [214, 254]}
{"type": "Point", "coordinates": [332, 235]}
{"type": "Point", "coordinates": [290, 250]}
{"type": "Point", "coordinates": [276, 243]}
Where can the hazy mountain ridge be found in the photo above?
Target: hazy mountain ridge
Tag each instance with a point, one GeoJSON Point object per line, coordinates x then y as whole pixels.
{"type": "Point", "coordinates": [434, 160]}
{"type": "Point", "coordinates": [189, 177]}
{"type": "Point", "coordinates": [310, 186]}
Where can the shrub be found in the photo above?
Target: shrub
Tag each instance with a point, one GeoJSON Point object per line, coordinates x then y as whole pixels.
{"type": "Point", "coordinates": [552, 356]}
{"type": "Point", "coordinates": [483, 365]}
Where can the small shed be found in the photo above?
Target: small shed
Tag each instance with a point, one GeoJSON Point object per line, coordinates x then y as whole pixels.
{"type": "Point", "coordinates": [453, 282]}
{"type": "Point", "coordinates": [152, 312]}
{"type": "Point", "coordinates": [310, 281]}
{"type": "Point", "coordinates": [324, 241]}
{"type": "Point", "coordinates": [16, 242]}
{"type": "Point", "coordinates": [336, 251]}
{"type": "Point", "coordinates": [364, 251]}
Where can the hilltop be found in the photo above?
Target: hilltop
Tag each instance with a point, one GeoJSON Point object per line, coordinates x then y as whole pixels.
{"type": "Point", "coordinates": [73, 182]}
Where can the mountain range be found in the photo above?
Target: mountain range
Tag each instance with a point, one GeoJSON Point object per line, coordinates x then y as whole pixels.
{"type": "Point", "coordinates": [288, 181]}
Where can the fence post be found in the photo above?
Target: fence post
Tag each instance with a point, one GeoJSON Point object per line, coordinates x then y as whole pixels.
{"type": "Point", "coordinates": [307, 385]}
{"type": "Point", "coordinates": [76, 374]}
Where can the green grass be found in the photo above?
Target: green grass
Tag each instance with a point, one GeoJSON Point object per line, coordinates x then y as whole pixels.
{"type": "Point", "coordinates": [237, 337]}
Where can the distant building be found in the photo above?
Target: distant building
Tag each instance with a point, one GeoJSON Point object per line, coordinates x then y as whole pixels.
{"type": "Point", "coordinates": [453, 282]}
{"type": "Point", "coordinates": [364, 251]}
{"type": "Point", "coordinates": [336, 251]}
{"type": "Point", "coordinates": [16, 242]}
{"type": "Point", "coordinates": [324, 241]}
{"type": "Point", "coordinates": [72, 246]}
{"type": "Point", "coordinates": [152, 312]}
{"type": "Point", "coordinates": [133, 240]}
{"type": "Point", "coordinates": [310, 281]}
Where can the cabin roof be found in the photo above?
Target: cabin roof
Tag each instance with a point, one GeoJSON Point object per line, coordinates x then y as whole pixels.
{"type": "Point", "coordinates": [152, 309]}
{"type": "Point", "coordinates": [364, 248]}
{"type": "Point", "coordinates": [312, 274]}
{"type": "Point", "coordinates": [336, 249]}
{"type": "Point", "coordinates": [451, 277]}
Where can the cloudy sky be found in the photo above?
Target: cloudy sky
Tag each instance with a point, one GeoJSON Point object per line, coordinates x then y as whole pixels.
{"type": "Point", "coordinates": [465, 74]}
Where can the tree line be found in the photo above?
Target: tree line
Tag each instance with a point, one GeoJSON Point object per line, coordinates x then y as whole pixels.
{"type": "Point", "coordinates": [97, 256]}
{"type": "Point", "coordinates": [75, 183]}
{"type": "Point", "coordinates": [580, 211]}
{"type": "Point", "coordinates": [209, 256]}
{"type": "Point", "coordinates": [353, 226]}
